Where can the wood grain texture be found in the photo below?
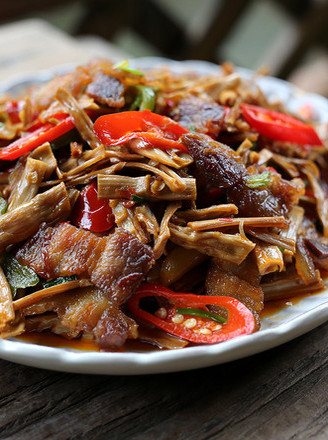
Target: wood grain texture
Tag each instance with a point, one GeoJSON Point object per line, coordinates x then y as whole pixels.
{"type": "Point", "coordinates": [280, 394]}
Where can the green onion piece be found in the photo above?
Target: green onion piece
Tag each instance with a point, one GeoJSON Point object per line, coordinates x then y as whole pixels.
{"type": "Point", "coordinates": [136, 103]}
{"type": "Point", "coordinates": [254, 147]}
{"type": "Point", "coordinates": [148, 98]}
{"type": "Point", "coordinates": [3, 205]}
{"type": "Point", "coordinates": [1, 124]}
{"type": "Point", "coordinates": [124, 65]}
{"type": "Point", "coordinates": [145, 100]}
{"type": "Point", "coordinates": [59, 280]}
{"type": "Point", "coordinates": [282, 250]}
{"type": "Point", "coordinates": [18, 276]}
{"type": "Point", "coordinates": [65, 139]}
{"type": "Point", "coordinates": [137, 199]}
{"type": "Point", "coordinates": [258, 180]}
{"type": "Point", "coordinates": [202, 314]}
{"type": "Point", "coordinates": [191, 128]}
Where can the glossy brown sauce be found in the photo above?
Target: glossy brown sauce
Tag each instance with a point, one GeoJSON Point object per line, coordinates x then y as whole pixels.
{"type": "Point", "coordinates": [51, 340]}
{"type": "Point", "coordinates": [272, 307]}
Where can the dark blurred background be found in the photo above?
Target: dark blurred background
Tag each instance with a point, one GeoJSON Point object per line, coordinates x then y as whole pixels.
{"type": "Point", "coordinates": [288, 36]}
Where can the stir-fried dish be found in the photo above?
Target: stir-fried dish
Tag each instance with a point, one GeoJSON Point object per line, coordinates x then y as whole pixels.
{"type": "Point", "coordinates": [158, 207]}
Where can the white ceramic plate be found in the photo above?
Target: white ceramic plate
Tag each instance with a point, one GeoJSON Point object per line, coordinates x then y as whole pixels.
{"type": "Point", "coordinates": [281, 327]}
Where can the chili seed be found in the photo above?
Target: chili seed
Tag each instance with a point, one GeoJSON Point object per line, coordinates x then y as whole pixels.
{"type": "Point", "coordinates": [190, 323]}
{"type": "Point", "coordinates": [205, 331]}
{"type": "Point", "coordinates": [178, 319]}
{"type": "Point", "coordinates": [161, 313]}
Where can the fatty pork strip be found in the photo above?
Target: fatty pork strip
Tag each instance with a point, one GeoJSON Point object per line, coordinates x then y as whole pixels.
{"type": "Point", "coordinates": [115, 264]}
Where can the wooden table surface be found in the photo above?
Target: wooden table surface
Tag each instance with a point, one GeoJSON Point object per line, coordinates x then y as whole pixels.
{"type": "Point", "coordinates": [279, 394]}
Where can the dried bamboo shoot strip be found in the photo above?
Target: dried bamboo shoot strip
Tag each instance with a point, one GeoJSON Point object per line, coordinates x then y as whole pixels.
{"type": "Point", "coordinates": [259, 222]}
{"type": "Point", "coordinates": [229, 247]}
{"type": "Point", "coordinates": [29, 183]}
{"type": "Point", "coordinates": [111, 187]}
{"type": "Point", "coordinates": [44, 293]}
{"type": "Point", "coordinates": [24, 221]}
{"type": "Point", "coordinates": [7, 312]}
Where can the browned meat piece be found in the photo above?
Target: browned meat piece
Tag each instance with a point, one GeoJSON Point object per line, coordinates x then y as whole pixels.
{"type": "Point", "coordinates": [274, 200]}
{"type": "Point", "coordinates": [220, 167]}
{"type": "Point", "coordinates": [113, 329]}
{"type": "Point", "coordinates": [82, 310]}
{"type": "Point", "coordinates": [116, 264]}
{"type": "Point", "coordinates": [317, 248]}
{"type": "Point", "coordinates": [202, 116]}
{"type": "Point", "coordinates": [237, 281]}
{"type": "Point", "coordinates": [122, 265]}
{"type": "Point", "coordinates": [63, 250]}
{"type": "Point", "coordinates": [217, 163]}
{"type": "Point", "coordinates": [107, 90]}
{"type": "Point", "coordinates": [73, 82]}
{"type": "Point", "coordinates": [259, 202]}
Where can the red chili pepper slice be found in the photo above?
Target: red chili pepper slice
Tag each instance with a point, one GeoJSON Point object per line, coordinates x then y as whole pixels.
{"type": "Point", "coordinates": [240, 320]}
{"type": "Point", "coordinates": [13, 108]}
{"type": "Point", "coordinates": [279, 126]}
{"type": "Point", "coordinates": [91, 213]}
{"type": "Point", "coordinates": [60, 116]}
{"type": "Point", "coordinates": [46, 133]}
{"type": "Point", "coordinates": [157, 130]}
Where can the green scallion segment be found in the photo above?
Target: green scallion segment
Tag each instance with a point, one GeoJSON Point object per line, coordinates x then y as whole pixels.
{"type": "Point", "coordinates": [124, 65]}
{"type": "Point", "coordinates": [136, 103]}
{"type": "Point", "coordinates": [282, 250]}
{"type": "Point", "coordinates": [202, 314]}
{"type": "Point", "coordinates": [137, 199]}
{"type": "Point", "coordinates": [65, 139]}
{"type": "Point", "coordinates": [18, 276]}
{"type": "Point", "coordinates": [3, 206]}
{"type": "Point", "coordinates": [59, 280]}
{"type": "Point", "coordinates": [145, 99]}
{"type": "Point", "coordinates": [258, 180]}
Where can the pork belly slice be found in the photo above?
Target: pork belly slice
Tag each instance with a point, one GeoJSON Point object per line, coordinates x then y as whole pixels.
{"type": "Point", "coordinates": [63, 250]}
{"type": "Point", "coordinates": [82, 310]}
{"type": "Point", "coordinates": [116, 263]}
{"type": "Point", "coordinates": [237, 281]}
{"type": "Point", "coordinates": [220, 166]}
{"type": "Point", "coordinates": [122, 266]}
{"type": "Point", "coordinates": [204, 116]}
{"type": "Point", "coordinates": [107, 90]}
